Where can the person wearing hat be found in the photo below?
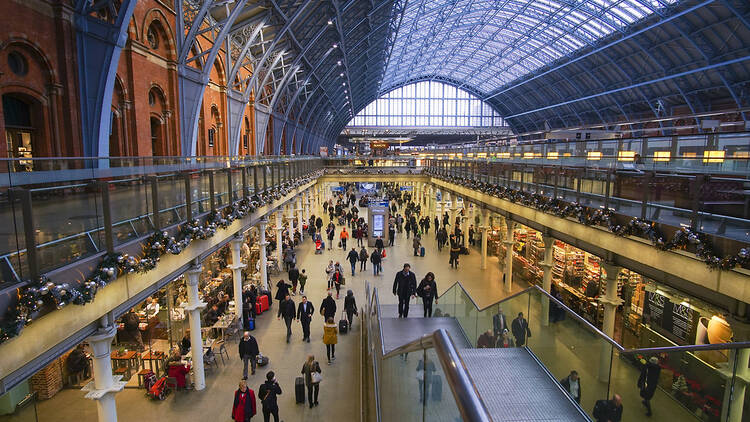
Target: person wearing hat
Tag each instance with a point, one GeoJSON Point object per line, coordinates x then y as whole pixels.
{"type": "Point", "coordinates": [648, 381]}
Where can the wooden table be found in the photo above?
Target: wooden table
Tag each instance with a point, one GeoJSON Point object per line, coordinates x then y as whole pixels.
{"type": "Point", "coordinates": [151, 358]}
{"type": "Point", "coordinates": [130, 358]}
{"type": "Point", "coordinates": [224, 323]}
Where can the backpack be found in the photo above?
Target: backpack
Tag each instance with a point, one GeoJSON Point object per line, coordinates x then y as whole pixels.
{"type": "Point", "coordinates": [600, 409]}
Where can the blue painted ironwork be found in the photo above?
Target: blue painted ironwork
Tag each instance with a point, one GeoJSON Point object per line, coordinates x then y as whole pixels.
{"type": "Point", "coordinates": [101, 33]}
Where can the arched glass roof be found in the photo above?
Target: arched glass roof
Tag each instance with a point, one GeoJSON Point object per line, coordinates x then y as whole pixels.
{"type": "Point", "coordinates": [485, 44]}
{"type": "Point", "coordinates": [427, 103]}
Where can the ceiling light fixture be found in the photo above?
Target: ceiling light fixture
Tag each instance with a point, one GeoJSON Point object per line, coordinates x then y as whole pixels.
{"type": "Point", "coordinates": [330, 22]}
{"type": "Point", "coordinates": [335, 45]}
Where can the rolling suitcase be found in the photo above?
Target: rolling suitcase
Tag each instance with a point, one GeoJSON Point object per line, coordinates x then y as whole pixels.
{"type": "Point", "coordinates": [258, 308]}
{"type": "Point", "coordinates": [251, 324]}
{"type": "Point", "coordinates": [261, 360]}
{"type": "Point", "coordinates": [421, 251]}
{"type": "Point", "coordinates": [264, 303]}
{"type": "Point", "coordinates": [343, 324]}
{"type": "Point", "coordinates": [299, 390]}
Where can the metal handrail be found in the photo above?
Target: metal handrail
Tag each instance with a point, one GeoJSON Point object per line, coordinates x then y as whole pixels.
{"type": "Point", "coordinates": [599, 333]}
{"type": "Point", "coordinates": [469, 403]}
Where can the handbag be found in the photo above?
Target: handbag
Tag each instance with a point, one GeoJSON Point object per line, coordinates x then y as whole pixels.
{"type": "Point", "coordinates": [316, 377]}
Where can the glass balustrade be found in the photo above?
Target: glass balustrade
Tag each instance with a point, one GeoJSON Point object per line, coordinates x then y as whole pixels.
{"type": "Point", "coordinates": [62, 200]}
{"type": "Point", "coordinates": [693, 383]}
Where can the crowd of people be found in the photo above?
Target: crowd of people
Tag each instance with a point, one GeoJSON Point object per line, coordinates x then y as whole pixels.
{"type": "Point", "coordinates": [406, 217]}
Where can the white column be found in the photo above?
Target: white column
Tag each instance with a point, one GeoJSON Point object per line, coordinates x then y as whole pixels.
{"type": "Point", "coordinates": [279, 229]}
{"type": "Point", "coordinates": [263, 259]}
{"type": "Point", "coordinates": [298, 202]}
{"type": "Point", "coordinates": [104, 386]}
{"type": "Point", "coordinates": [236, 268]}
{"type": "Point", "coordinates": [610, 302]}
{"type": "Point", "coordinates": [307, 202]}
{"type": "Point", "coordinates": [290, 219]}
{"type": "Point", "coordinates": [485, 231]}
{"type": "Point", "coordinates": [508, 242]}
{"type": "Point", "coordinates": [547, 278]}
{"type": "Point", "coordinates": [465, 224]}
{"type": "Point", "coordinates": [193, 307]}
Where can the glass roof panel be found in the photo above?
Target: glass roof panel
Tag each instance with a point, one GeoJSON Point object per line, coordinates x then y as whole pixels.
{"type": "Point", "coordinates": [426, 103]}
{"type": "Point", "coordinates": [485, 44]}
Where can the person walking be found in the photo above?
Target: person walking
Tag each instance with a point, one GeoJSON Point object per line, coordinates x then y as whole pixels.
{"type": "Point", "coordinates": [311, 371]}
{"type": "Point", "coordinates": [302, 282]}
{"type": "Point", "coordinates": [328, 307]}
{"type": "Point", "coordinates": [331, 232]}
{"type": "Point", "coordinates": [363, 255]}
{"type": "Point", "coordinates": [379, 243]}
{"type": "Point", "coordinates": [572, 385]}
{"type": "Point", "coordinates": [427, 290]}
{"type": "Point", "coordinates": [293, 277]}
{"type": "Point", "coordinates": [391, 235]}
{"type": "Point", "coordinates": [416, 243]}
{"type": "Point", "coordinates": [648, 381]}
{"type": "Point", "coordinates": [330, 338]}
{"type": "Point", "coordinates": [287, 311]}
{"type": "Point", "coordinates": [304, 316]}
{"type": "Point", "coordinates": [471, 235]}
{"type": "Point", "coordinates": [405, 287]}
{"type": "Point", "coordinates": [243, 408]}
{"type": "Point", "coordinates": [337, 280]}
{"type": "Point", "coordinates": [376, 258]}
{"type": "Point", "coordinates": [329, 273]}
{"type": "Point", "coordinates": [282, 290]}
{"type": "Point", "coordinates": [350, 306]}
{"type": "Point", "coordinates": [353, 257]}
{"type": "Point", "coordinates": [343, 236]}
{"type": "Point", "coordinates": [248, 348]}
{"type": "Point", "coordinates": [499, 324]}
{"type": "Point", "coordinates": [520, 329]}
{"type": "Point", "coordinates": [267, 393]}
{"type": "Point", "coordinates": [454, 251]}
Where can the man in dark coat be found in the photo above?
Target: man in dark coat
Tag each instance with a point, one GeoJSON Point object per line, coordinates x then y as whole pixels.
{"type": "Point", "coordinates": [353, 257]}
{"type": "Point", "coordinates": [267, 394]}
{"type": "Point", "coordinates": [248, 352]}
{"type": "Point", "coordinates": [304, 315]}
{"type": "Point", "coordinates": [499, 323]}
{"type": "Point", "coordinates": [287, 310]}
{"type": "Point", "coordinates": [379, 243]}
{"type": "Point", "coordinates": [612, 411]}
{"type": "Point", "coordinates": [520, 329]}
{"type": "Point", "coordinates": [572, 385]}
{"type": "Point", "coordinates": [376, 258]}
{"type": "Point", "coordinates": [328, 307]}
{"type": "Point", "coordinates": [648, 381]}
{"type": "Point", "coordinates": [405, 287]}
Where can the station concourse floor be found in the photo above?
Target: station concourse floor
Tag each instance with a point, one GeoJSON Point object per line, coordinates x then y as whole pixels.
{"type": "Point", "coordinates": [339, 391]}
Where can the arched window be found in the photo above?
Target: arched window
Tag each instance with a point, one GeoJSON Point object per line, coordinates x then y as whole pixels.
{"type": "Point", "coordinates": [428, 103]}
{"type": "Point", "coordinates": [152, 36]}
{"type": "Point", "coordinates": [156, 137]}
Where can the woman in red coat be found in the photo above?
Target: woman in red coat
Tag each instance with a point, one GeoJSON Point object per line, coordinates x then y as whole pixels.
{"type": "Point", "coordinates": [244, 403]}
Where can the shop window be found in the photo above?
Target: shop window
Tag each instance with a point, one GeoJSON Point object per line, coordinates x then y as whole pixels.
{"type": "Point", "coordinates": [17, 63]}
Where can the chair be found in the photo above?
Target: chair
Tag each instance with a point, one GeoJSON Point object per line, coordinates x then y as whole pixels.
{"type": "Point", "coordinates": [142, 376]}
{"type": "Point", "coordinates": [123, 370]}
{"type": "Point", "coordinates": [221, 344]}
{"type": "Point", "coordinates": [209, 359]}
{"type": "Point", "coordinates": [171, 383]}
